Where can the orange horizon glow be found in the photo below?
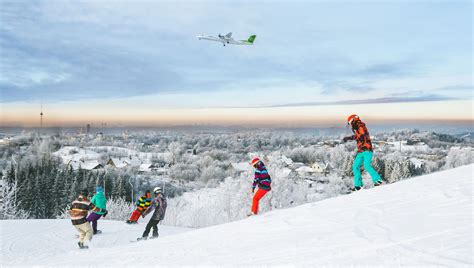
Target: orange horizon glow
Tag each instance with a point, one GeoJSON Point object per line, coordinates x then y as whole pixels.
{"type": "Point", "coordinates": [74, 114]}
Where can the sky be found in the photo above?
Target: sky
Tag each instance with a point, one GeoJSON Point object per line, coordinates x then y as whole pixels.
{"type": "Point", "coordinates": [312, 63]}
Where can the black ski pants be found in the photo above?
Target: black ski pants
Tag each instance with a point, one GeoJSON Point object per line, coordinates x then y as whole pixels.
{"type": "Point", "coordinates": [152, 223]}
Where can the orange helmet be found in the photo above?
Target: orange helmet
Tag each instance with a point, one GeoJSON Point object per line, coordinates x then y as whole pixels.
{"type": "Point", "coordinates": [351, 118]}
{"type": "Point", "coordinates": [255, 160]}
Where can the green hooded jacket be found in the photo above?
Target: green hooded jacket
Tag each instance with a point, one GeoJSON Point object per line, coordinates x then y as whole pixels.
{"type": "Point", "coordinates": [100, 202]}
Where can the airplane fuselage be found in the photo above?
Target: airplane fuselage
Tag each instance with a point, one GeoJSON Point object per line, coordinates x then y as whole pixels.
{"type": "Point", "coordinates": [226, 39]}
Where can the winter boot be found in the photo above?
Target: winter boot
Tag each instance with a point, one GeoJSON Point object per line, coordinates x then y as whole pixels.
{"type": "Point", "coordinates": [357, 188]}
{"type": "Point", "coordinates": [142, 238]}
{"type": "Point", "coordinates": [81, 245]}
{"type": "Point", "coordinates": [378, 183]}
{"type": "Point", "coordinates": [98, 232]}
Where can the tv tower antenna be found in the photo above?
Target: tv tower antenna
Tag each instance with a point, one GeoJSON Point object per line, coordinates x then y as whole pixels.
{"type": "Point", "coordinates": [41, 115]}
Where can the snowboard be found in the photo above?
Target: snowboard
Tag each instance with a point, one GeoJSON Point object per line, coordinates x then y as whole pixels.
{"type": "Point", "coordinates": [82, 247]}
{"type": "Point", "coordinates": [353, 190]}
{"type": "Point", "coordinates": [141, 239]}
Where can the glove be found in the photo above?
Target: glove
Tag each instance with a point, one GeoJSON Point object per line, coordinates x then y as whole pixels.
{"type": "Point", "coordinates": [253, 190]}
{"type": "Point", "coordinates": [345, 139]}
{"type": "Point", "coordinates": [105, 214]}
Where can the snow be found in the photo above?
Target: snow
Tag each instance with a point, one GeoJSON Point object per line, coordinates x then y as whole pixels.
{"type": "Point", "coordinates": [121, 162]}
{"type": "Point", "coordinates": [89, 165]}
{"type": "Point", "coordinates": [287, 160]}
{"type": "Point", "coordinates": [35, 242]}
{"type": "Point", "coordinates": [305, 170]}
{"type": "Point", "coordinates": [241, 166]}
{"type": "Point", "coordinates": [403, 146]}
{"type": "Point", "coordinates": [145, 167]}
{"type": "Point", "coordinates": [423, 221]}
{"type": "Point", "coordinates": [133, 157]}
{"type": "Point", "coordinates": [418, 163]}
{"type": "Point", "coordinates": [76, 154]}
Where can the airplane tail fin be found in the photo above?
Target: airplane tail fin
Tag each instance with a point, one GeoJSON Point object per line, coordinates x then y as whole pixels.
{"type": "Point", "coordinates": [251, 39]}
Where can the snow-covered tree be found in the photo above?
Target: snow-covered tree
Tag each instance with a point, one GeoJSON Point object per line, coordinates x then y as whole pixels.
{"type": "Point", "coordinates": [459, 156]}
{"type": "Point", "coordinates": [119, 209]}
{"type": "Point", "coordinates": [9, 206]}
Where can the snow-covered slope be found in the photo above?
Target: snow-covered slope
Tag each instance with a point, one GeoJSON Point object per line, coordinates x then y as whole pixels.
{"type": "Point", "coordinates": [421, 221]}
{"type": "Point", "coordinates": [35, 242]}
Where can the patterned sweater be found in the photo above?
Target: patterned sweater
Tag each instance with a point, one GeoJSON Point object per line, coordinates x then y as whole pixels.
{"type": "Point", "coordinates": [361, 135]}
{"type": "Point", "coordinates": [144, 202]}
{"type": "Point", "coordinates": [158, 204]}
{"type": "Point", "coordinates": [78, 211]}
{"type": "Point", "coordinates": [261, 177]}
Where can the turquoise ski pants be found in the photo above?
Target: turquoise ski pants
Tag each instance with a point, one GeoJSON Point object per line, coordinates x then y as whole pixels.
{"type": "Point", "coordinates": [366, 158]}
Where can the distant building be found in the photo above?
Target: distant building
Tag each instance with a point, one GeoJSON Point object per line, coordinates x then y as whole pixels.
{"type": "Point", "coordinates": [122, 162]}
{"type": "Point", "coordinates": [317, 167]}
{"type": "Point", "coordinates": [86, 164]}
{"type": "Point", "coordinates": [149, 167]}
{"type": "Point", "coordinates": [88, 128]}
{"type": "Point", "coordinates": [320, 167]}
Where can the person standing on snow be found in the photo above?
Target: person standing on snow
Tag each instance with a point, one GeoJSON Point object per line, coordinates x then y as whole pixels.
{"type": "Point", "coordinates": [78, 213]}
{"type": "Point", "coordinates": [99, 208]}
{"type": "Point", "coordinates": [142, 204]}
{"type": "Point", "coordinates": [364, 152]}
{"type": "Point", "coordinates": [158, 205]}
{"type": "Point", "coordinates": [263, 180]}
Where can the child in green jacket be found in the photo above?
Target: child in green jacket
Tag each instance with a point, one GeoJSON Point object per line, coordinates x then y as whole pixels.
{"type": "Point", "coordinates": [98, 202]}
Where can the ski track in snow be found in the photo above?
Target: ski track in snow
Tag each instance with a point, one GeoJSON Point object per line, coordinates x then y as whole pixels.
{"type": "Point", "coordinates": [34, 242]}
{"type": "Point", "coordinates": [423, 221]}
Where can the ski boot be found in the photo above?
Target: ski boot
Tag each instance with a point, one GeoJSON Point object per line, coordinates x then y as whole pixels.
{"type": "Point", "coordinates": [97, 232]}
{"type": "Point", "coordinates": [82, 246]}
{"type": "Point", "coordinates": [378, 183]}
{"type": "Point", "coordinates": [142, 238]}
{"type": "Point", "coordinates": [357, 188]}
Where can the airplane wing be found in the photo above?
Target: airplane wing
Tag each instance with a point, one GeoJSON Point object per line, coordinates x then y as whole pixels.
{"type": "Point", "coordinates": [210, 38]}
{"type": "Point", "coordinates": [229, 35]}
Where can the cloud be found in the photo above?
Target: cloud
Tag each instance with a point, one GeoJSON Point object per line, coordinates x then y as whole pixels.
{"type": "Point", "coordinates": [55, 50]}
{"type": "Point", "coordinates": [426, 98]}
{"type": "Point", "coordinates": [396, 69]}
{"type": "Point", "coordinates": [459, 87]}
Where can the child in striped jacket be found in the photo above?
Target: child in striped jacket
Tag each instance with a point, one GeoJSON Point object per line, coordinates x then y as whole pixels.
{"type": "Point", "coordinates": [78, 213]}
{"type": "Point", "coordinates": [261, 179]}
{"type": "Point", "coordinates": [142, 204]}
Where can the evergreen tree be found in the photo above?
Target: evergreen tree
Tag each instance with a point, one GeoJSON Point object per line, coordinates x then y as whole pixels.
{"type": "Point", "coordinates": [396, 173]}
{"type": "Point", "coordinates": [379, 166]}
{"type": "Point", "coordinates": [10, 175]}
{"type": "Point", "coordinates": [119, 188]}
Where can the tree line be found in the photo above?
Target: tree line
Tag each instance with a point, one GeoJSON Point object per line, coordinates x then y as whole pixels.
{"type": "Point", "coordinates": [44, 187]}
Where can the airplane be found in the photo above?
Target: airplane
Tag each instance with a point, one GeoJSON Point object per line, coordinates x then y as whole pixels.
{"type": "Point", "coordinates": [227, 39]}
